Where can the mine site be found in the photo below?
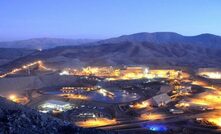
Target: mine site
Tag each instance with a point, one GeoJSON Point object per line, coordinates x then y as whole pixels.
{"type": "Point", "coordinates": [123, 99]}
{"type": "Point", "coordinates": [110, 67]}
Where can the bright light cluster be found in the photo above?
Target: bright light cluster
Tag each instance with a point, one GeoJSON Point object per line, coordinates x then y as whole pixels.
{"type": "Point", "coordinates": [96, 122]}
{"type": "Point", "coordinates": [72, 89]}
{"type": "Point", "coordinates": [211, 75]}
{"type": "Point", "coordinates": [18, 99]}
{"type": "Point", "coordinates": [144, 104]}
{"type": "Point", "coordinates": [182, 105]}
{"type": "Point", "coordinates": [64, 72]}
{"type": "Point", "coordinates": [16, 70]}
{"type": "Point", "coordinates": [75, 96]}
{"type": "Point", "coordinates": [104, 92]}
{"type": "Point", "coordinates": [54, 106]}
{"type": "Point", "coordinates": [12, 97]}
{"type": "Point", "coordinates": [128, 73]}
{"type": "Point", "coordinates": [215, 120]}
{"type": "Point", "coordinates": [151, 116]}
{"type": "Point", "coordinates": [140, 73]}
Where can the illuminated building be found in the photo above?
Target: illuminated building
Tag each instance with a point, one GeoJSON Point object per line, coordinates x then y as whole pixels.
{"type": "Point", "coordinates": [54, 105]}
{"type": "Point", "coordinates": [211, 75]}
{"type": "Point", "coordinates": [97, 71]}
{"type": "Point", "coordinates": [134, 69]}
{"type": "Point", "coordinates": [65, 72]}
{"type": "Point", "coordinates": [126, 73]}
{"type": "Point", "coordinates": [182, 104]}
{"type": "Point", "coordinates": [87, 115]}
{"type": "Point", "coordinates": [134, 72]}
{"type": "Point", "coordinates": [129, 73]}
{"type": "Point", "coordinates": [163, 73]}
{"type": "Point", "coordinates": [73, 89]}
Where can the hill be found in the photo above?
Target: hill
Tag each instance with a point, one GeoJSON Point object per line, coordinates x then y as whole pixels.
{"type": "Point", "coordinates": [152, 49]}
{"type": "Point", "coordinates": [10, 54]}
{"type": "Point", "coordinates": [206, 40]}
{"type": "Point", "coordinates": [44, 43]}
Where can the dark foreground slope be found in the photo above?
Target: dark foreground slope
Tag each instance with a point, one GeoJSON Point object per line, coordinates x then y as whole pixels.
{"type": "Point", "coordinates": [18, 119]}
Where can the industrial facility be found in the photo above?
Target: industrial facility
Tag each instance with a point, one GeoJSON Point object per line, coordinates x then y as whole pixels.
{"type": "Point", "coordinates": [101, 97]}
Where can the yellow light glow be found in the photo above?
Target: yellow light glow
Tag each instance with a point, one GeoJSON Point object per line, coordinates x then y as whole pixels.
{"type": "Point", "coordinates": [205, 85]}
{"type": "Point", "coordinates": [129, 73]}
{"type": "Point", "coordinates": [12, 97]}
{"type": "Point", "coordinates": [212, 99]}
{"type": "Point", "coordinates": [16, 70]}
{"type": "Point", "coordinates": [18, 99]}
{"type": "Point", "coordinates": [97, 122]}
{"type": "Point", "coordinates": [90, 70]}
{"type": "Point", "coordinates": [75, 96]}
{"type": "Point", "coordinates": [164, 73]}
{"type": "Point", "coordinates": [215, 120]}
{"type": "Point", "coordinates": [211, 75]}
{"type": "Point", "coordinates": [141, 105]}
{"type": "Point", "coordinates": [151, 116]}
{"type": "Point", "coordinates": [182, 105]}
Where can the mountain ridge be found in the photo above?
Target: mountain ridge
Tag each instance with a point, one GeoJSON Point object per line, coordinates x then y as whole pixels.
{"type": "Point", "coordinates": [167, 38]}
{"type": "Point", "coordinates": [44, 43]}
{"type": "Point", "coordinates": [158, 49]}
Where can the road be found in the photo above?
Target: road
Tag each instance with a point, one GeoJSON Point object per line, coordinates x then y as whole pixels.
{"type": "Point", "coordinates": [136, 124]}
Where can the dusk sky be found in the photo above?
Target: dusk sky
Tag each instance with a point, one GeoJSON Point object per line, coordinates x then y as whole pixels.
{"type": "Point", "coordinates": [99, 19]}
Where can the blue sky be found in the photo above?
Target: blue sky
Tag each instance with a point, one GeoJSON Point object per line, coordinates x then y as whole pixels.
{"type": "Point", "coordinates": [98, 19]}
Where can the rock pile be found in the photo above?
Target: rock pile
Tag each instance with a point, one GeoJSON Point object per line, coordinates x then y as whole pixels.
{"type": "Point", "coordinates": [18, 119]}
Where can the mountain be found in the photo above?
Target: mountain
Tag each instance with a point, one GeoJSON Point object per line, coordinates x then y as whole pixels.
{"type": "Point", "coordinates": [152, 49]}
{"type": "Point", "coordinates": [18, 119]}
{"type": "Point", "coordinates": [44, 43]}
{"type": "Point", "coordinates": [207, 40]}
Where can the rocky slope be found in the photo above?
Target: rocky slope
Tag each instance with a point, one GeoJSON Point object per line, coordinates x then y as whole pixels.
{"type": "Point", "coordinates": [18, 119]}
